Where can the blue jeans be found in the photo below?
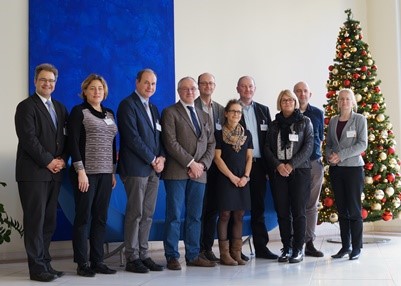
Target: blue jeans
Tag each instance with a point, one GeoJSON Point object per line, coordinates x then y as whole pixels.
{"type": "Point", "coordinates": [178, 193]}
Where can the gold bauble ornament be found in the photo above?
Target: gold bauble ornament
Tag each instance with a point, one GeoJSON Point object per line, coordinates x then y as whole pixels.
{"type": "Point", "coordinates": [389, 191]}
{"type": "Point", "coordinates": [362, 196]}
{"type": "Point", "coordinates": [334, 71]}
{"type": "Point", "coordinates": [358, 97]}
{"type": "Point", "coordinates": [333, 217]}
{"type": "Point", "coordinates": [376, 207]}
{"type": "Point", "coordinates": [371, 137]}
{"type": "Point", "coordinates": [370, 62]}
{"type": "Point", "coordinates": [379, 195]}
{"type": "Point", "coordinates": [353, 49]}
{"type": "Point", "coordinates": [368, 180]}
{"type": "Point", "coordinates": [397, 202]}
{"type": "Point", "coordinates": [380, 117]}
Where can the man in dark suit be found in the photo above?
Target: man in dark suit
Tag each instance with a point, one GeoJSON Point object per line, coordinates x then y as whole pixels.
{"type": "Point", "coordinates": [189, 142]}
{"type": "Point", "coordinates": [141, 160]}
{"type": "Point", "coordinates": [41, 155]}
{"type": "Point", "coordinates": [207, 84]}
{"type": "Point", "coordinates": [256, 118]}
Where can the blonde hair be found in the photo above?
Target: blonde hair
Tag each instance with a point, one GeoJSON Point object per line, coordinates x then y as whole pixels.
{"type": "Point", "coordinates": [88, 81]}
{"type": "Point", "coordinates": [353, 99]}
{"type": "Point", "coordinates": [288, 93]}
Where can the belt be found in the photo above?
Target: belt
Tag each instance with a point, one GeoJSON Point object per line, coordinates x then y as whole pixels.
{"type": "Point", "coordinates": [254, 159]}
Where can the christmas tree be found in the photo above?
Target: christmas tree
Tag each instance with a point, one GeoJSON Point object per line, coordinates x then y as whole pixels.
{"type": "Point", "coordinates": [355, 68]}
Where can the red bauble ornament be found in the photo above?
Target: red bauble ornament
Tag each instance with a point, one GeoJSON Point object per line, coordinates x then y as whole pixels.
{"type": "Point", "coordinates": [356, 75]}
{"type": "Point", "coordinates": [364, 68]}
{"type": "Point", "coordinates": [390, 177]}
{"type": "Point", "coordinates": [328, 202]}
{"type": "Point", "coordinates": [340, 55]}
{"type": "Point", "coordinates": [369, 166]}
{"type": "Point", "coordinates": [390, 132]}
{"type": "Point", "coordinates": [326, 121]}
{"type": "Point", "coordinates": [347, 40]}
{"type": "Point", "coordinates": [375, 106]}
{"type": "Point", "coordinates": [364, 213]}
{"type": "Point", "coordinates": [387, 215]}
{"type": "Point", "coordinates": [377, 177]}
{"type": "Point", "coordinates": [347, 82]}
{"type": "Point", "coordinates": [377, 89]}
{"type": "Point", "coordinates": [383, 200]}
{"type": "Point", "coordinates": [390, 150]}
{"type": "Point", "coordinates": [331, 68]}
{"type": "Point", "coordinates": [374, 67]}
{"type": "Point", "coordinates": [364, 53]}
{"type": "Point", "coordinates": [380, 147]}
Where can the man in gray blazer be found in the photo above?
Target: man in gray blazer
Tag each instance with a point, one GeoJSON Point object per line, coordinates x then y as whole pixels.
{"type": "Point", "coordinates": [141, 160]}
{"type": "Point", "coordinates": [41, 155]}
{"type": "Point", "coordinates": [207, 84]}
{"type": "Point", "coordinates": [189, 142]}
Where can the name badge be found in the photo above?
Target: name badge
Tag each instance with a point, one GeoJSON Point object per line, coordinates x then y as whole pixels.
{"type": "Point", "coordinates": [351, 134]}
{"type": "Point", "coordinates": [263, 127]}
{"type": "Point", "coordinates": [293, 137]}
{"type": "Point", "coordinates": [65, 131]}
{"type": "Point", "coordinates": [218, 126]}
{"type": "Point", "coordinates": [109, 121]}
{"type": "Point", "coordinates": [158, 127]}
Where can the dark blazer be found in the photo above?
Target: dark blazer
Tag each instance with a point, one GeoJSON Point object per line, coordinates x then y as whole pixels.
{"type": "Point", "coordinates": [140, 141]}
{"type": "Point", "coordinates": [262, 114]}
{"type": "Point", "coordinates": [38, 141]}
{"type": "Point", "coordinates": [218, 112]}
{"type": "Point", "coordinates": [181, 143]}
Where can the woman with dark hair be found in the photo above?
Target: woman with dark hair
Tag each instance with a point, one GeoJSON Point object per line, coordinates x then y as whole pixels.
{"type": "Point", "coordinates": [91, 137]}
{"type": "Point", "coordinates": [233, 158]}
{"type": "Point", "coordinates": [289, 144]}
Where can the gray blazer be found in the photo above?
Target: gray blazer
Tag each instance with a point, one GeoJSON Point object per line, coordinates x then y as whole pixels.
{"type": "Point", "coordinates": [353, 141]}
{"type": "Point", "coordinates": [218, 112]}
{"type": "Point", "coordinates": [181, 143]}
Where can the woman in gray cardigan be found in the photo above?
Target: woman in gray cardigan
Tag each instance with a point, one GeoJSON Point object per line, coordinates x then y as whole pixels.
{"type": "Point", "coordinates": [346, 139]}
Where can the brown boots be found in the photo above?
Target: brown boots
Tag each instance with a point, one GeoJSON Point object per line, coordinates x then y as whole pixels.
{"type": "Point", "coordinates": [225, 257]}
{"type": "Point", "coordinates": [235, 251]}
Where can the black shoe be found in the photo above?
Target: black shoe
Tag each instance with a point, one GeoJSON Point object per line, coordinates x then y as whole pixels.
{"type": "Point", "coordinates": [297, 256]}
{"type": "Point", "coordinates": [244, 257]}
{"type": "Point", "coordinates": [355, 253]}
{"type": "Point", "coordinates": [54, 272]}
{"type": "Point", "coordinates": [136, 266]}
{"type": "Point", "coordinates": [310, 250]}
{"type": "Point", "coordinates": [85, 271]}
{"type": "Point", "coordinates": [43, 276]}
{"type": "Point", "coordinates": [342, 253]}
{"type": "Point", "coordinates": [102, 268]}
{"type": "Point", "coordinates": [151, 265]}
{"type": "Point", "coordinates": [209, 255]}
{"type": "Point", "coordinates": [266, 254]}
{"type": "Point", "coordinates": [286, 253]}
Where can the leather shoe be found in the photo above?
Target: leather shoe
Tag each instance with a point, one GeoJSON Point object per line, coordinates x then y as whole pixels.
{"type": "Point", "coordinates": [285, 254]}
{"type": "Point", "coordinates": [266, 254]}
{"type": "Point", "coordinates": [151, 265]}
{"type": "Point", "coordinates": [209, 255]}
{"type": "Point", "coordinates": [85, 271]}
{"type": "Point", "coordinates": [54, 272]}
{"type": "Point", "coordinates": [43, 276]}
{"type": "Point", "coordinates": [355, 253]}
{"type": "Point", "coordinates": [201, 262]}
{"type": "Point", "coordinates": [102, 268]}
{"type": "Point", "coordinates": [310, 250]}
{"type": "Point", "coordinates": [297, 256]}
{"type": "Point", "coordinates": [244, 257]}
{"type": "Point", "coordinates": [341, 253]}
{"type": "Point", "coordinates": [136, 266]}
{"type": "Point", "coordinates": [173, 264]}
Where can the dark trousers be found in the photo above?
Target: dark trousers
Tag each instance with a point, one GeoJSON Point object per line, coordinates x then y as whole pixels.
{"type": "Point", "coordinates": [347, 184]}
{"type": "Point", "coordinates": [290, 196]}
{"type": "Point", "coordinates": [209, 211]}
{"type": "Point", "coordinates": [91, 210]}
{"type": "Point", "coordinates": [258, 185]}
{"type": "Point", "coordinates": [39, 204]}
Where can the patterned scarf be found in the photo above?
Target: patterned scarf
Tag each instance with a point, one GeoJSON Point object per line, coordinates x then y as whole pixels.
{"type": "Point", "coordinates": [234, 137]}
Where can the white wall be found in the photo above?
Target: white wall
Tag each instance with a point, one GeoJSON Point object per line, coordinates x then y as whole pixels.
{"type": "Point", "coordinates": [276, 42]}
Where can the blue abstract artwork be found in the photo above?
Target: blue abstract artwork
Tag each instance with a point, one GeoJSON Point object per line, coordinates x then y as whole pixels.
{"type": "Point", "coordinates": [113, 38]}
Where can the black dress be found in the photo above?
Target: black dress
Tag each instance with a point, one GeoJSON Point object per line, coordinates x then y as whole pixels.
{"type": "Point", "coordinates": [230, 197]}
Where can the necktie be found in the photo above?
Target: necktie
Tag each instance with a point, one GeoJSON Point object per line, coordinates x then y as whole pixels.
{"type": "Point", "coordinates": [52, 113]}
{"type": "Point", "coordinates": [148, 112]}
{"type": "Point", "coordinates": [194, 120]}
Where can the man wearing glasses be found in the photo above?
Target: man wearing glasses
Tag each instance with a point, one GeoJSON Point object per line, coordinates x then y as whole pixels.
{"type": "Point", "coordinates": [207, 84]}
{"type": "Point", "coordinates": [189, 142]}
{"type": "Point", "coordinates": [256, 118]}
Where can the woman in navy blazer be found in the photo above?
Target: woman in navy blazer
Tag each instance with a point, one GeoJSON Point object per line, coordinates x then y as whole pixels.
{"type": "Point", "coordinates": [345, 141]}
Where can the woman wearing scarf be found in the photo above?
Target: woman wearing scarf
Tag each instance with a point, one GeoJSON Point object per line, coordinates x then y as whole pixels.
{"type": "Point", "coordinates": [91, 137]}
{"type": "Point", "coordinates": [289, 144]}
{"type": "Point", "coordinates": [233, 158]}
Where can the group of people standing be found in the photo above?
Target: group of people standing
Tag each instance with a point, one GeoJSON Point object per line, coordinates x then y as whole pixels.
{"type": "Point", "coordinates": [214, 160]}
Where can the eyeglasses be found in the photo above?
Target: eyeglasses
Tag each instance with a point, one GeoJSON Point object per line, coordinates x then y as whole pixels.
{"type": "Point", "coordinates": [206, 83]}
{"type": "Point", "coordinates": [236, 112]}
{"type": "Point", "coordinates": [187, 90]}
{"type": "Point", "coordinates": [44, 80]}
{"type": "Point", "coordinates": [288, 100]}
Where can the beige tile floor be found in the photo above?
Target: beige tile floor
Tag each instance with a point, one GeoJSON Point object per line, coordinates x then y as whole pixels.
{"type": "Point", "coordinates": [379, 264]}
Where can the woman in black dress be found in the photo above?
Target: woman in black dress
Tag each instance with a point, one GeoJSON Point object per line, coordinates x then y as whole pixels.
{"type": "Point", "coordinates": [233, 158]}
